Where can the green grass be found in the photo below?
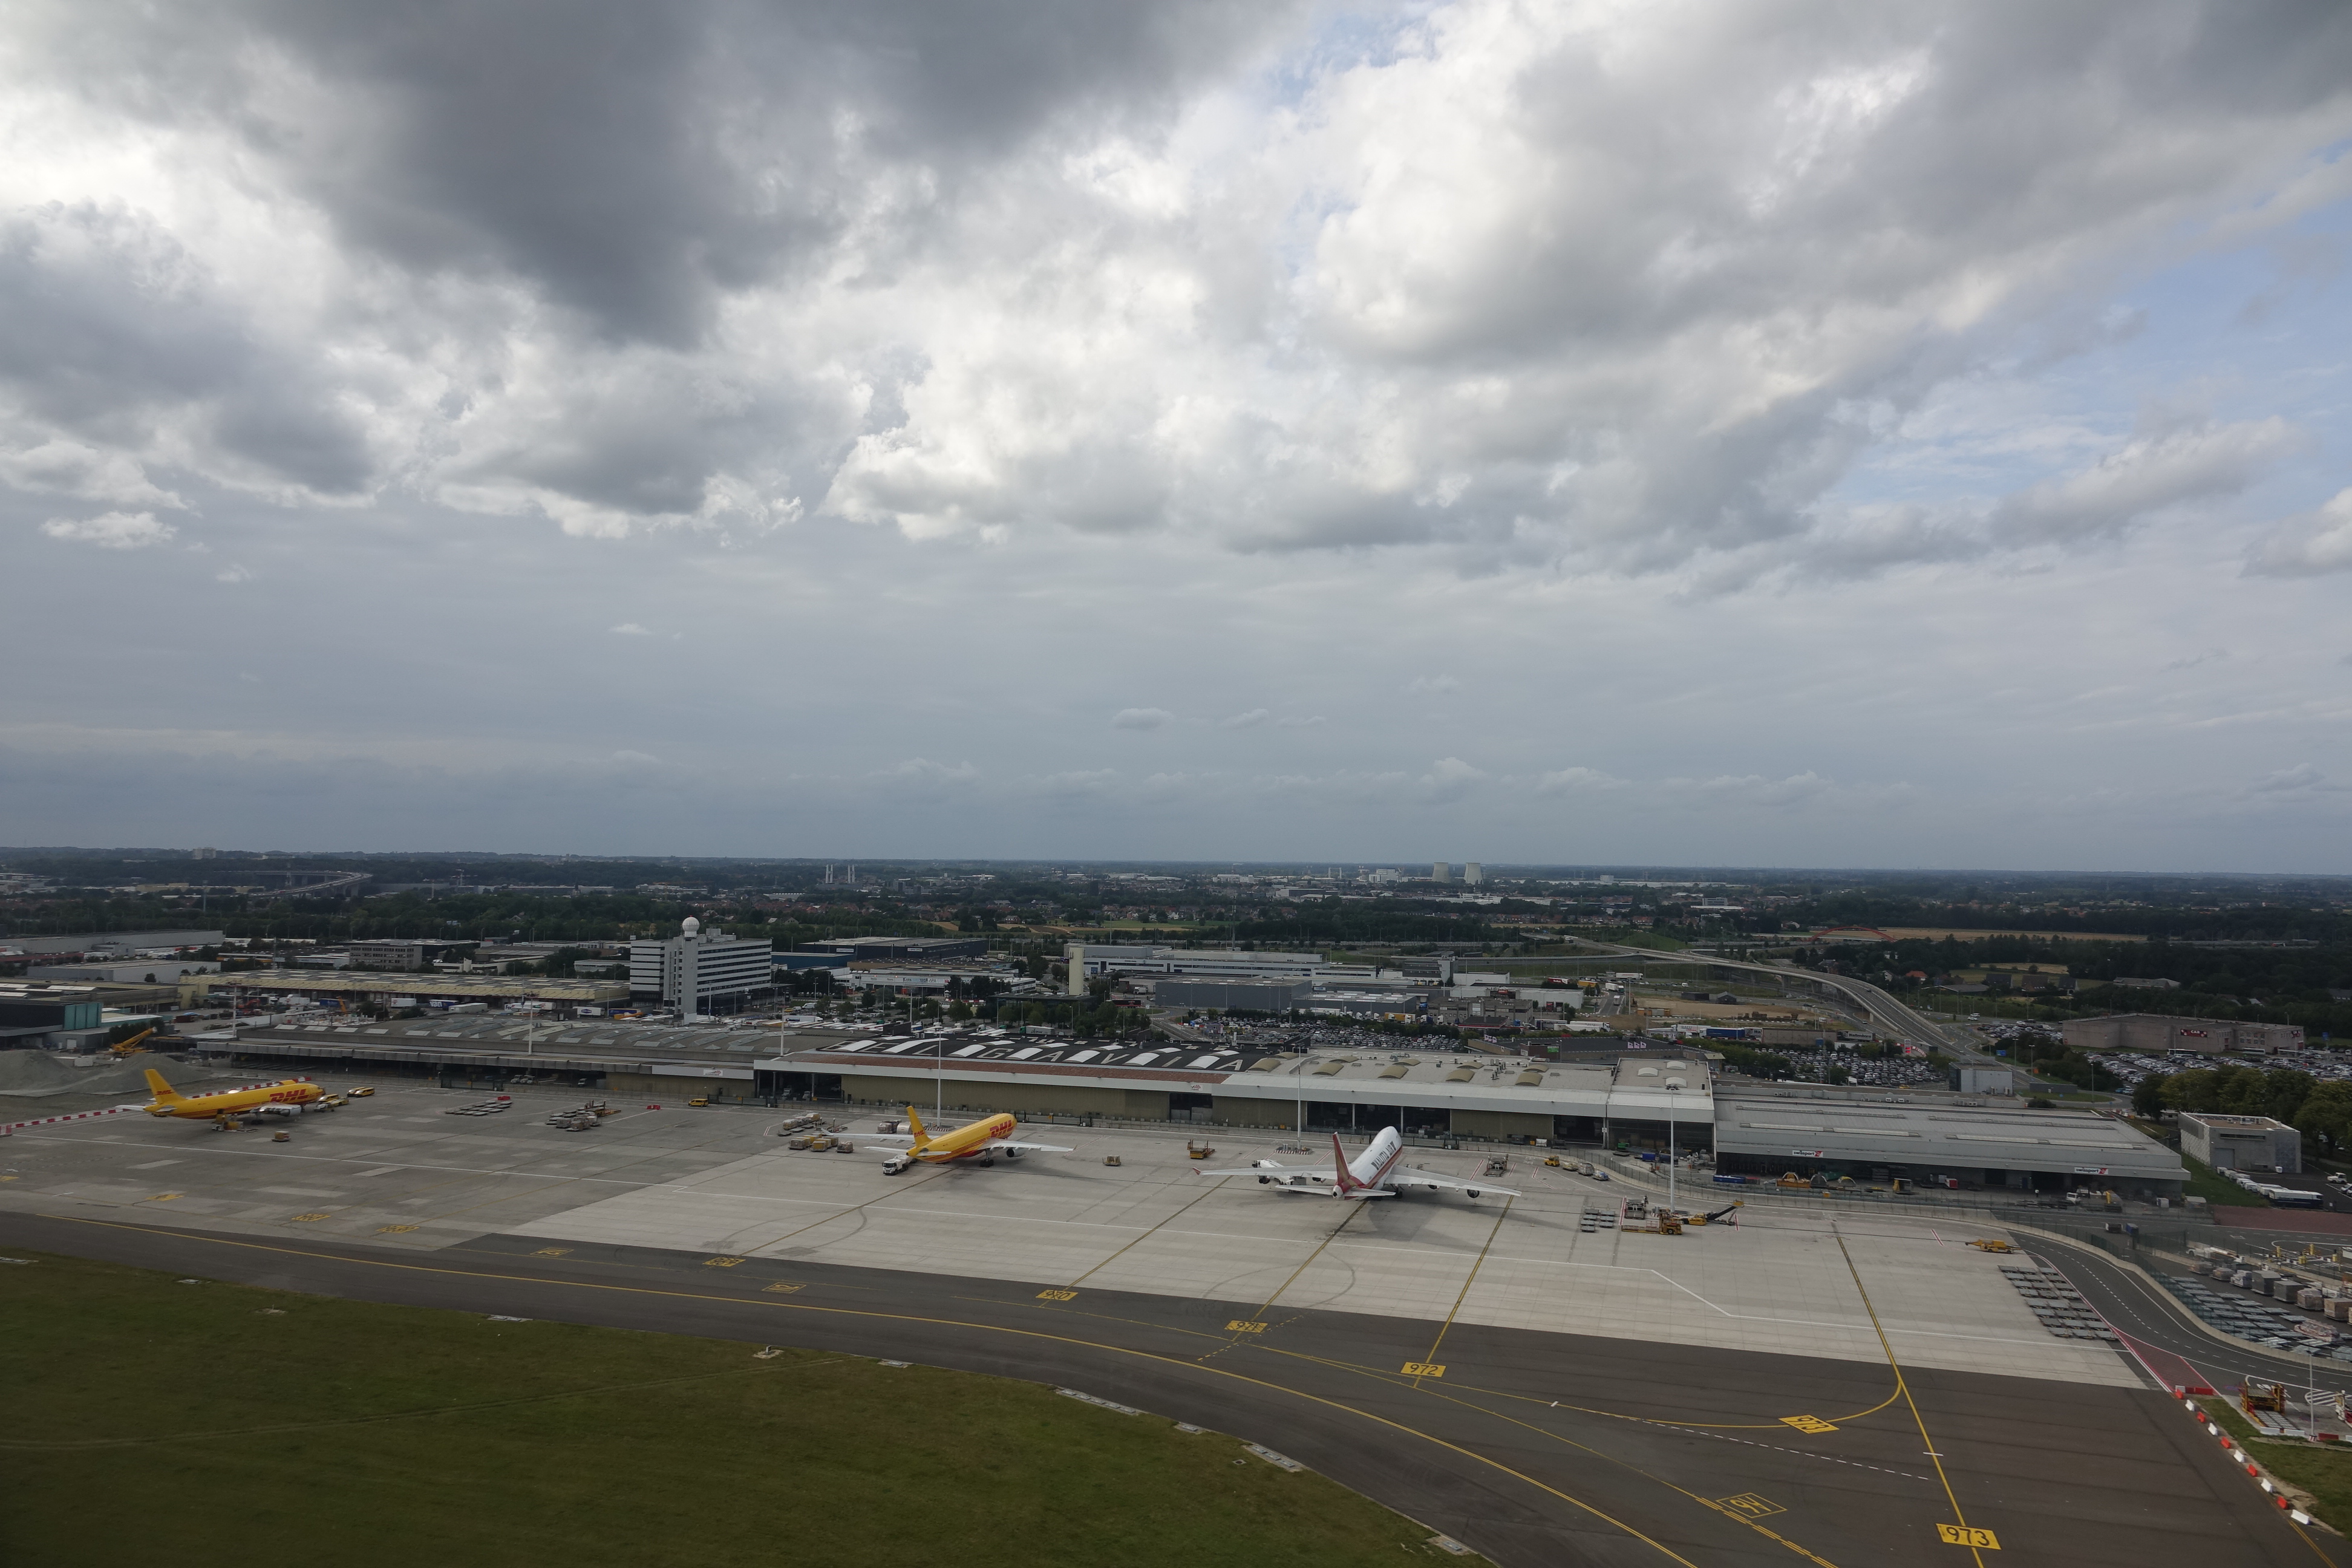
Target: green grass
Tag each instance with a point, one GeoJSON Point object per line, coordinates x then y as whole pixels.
{"type": "Point", "coordinates": [2324, 1472]}
{"type": "Point", "coordinates": [2207, 1184]}
{"type": "Point", "coordinates": [152, 1421]}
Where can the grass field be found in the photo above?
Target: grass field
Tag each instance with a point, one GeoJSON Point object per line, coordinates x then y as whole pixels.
{"type": "Point", "coordinates": [197, 1424]}
{"type": "Point", "coordinates": [2205, 1182]}
{"type": "Point", "coordinates": [2325, 1473]}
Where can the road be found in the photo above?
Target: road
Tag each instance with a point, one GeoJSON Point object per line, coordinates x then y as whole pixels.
{"type": "Point", "coordinates": [2134, 1305]}
{"type": "Point", "coordinates": [1532, 1447]}
{"type": "Point", "coordinates": [1896, 1016]}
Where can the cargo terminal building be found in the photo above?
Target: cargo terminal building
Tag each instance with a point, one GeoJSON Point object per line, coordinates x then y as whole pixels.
{"type": "Point", "coordinates": [1652, 1101]}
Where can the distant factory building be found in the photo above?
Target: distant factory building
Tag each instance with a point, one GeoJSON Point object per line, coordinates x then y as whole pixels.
{"type": "Point", "coordinates": [699, 971]}
{"type": "Point", "coordinates": [2149, 1033]}
{"type": "Point", "coordinates": [1139, 958]}
{"type": "Point", "coordinates": [1226, 996]}
{"type": "Point", "coordinates": [390, 956]}
{"type": "Point", "coordinates": [2241, 1143]}
{"type": "Point", "coordinates": [846, 948]}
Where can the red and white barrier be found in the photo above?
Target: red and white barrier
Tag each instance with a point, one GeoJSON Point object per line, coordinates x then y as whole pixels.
{"type": "Point", "coordinates": [6, 1128]}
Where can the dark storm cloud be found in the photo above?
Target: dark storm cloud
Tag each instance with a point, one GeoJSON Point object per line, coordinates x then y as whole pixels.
{"type": "Point", "coordinates": [637, 160]}
{"type": "Point", "coordinates": [113, 330]}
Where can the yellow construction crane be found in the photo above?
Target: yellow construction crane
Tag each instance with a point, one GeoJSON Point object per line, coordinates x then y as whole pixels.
{"type": "Point", "coordinates": [131, 1047]}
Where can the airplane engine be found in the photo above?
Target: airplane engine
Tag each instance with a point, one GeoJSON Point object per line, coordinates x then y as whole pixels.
{"type": "Point", "coordinates": [1473, 1192]}
{"type": "Point", "coordinates": [896, 1164]}
{"type": "Point", "coordinates": [1264, 1180]}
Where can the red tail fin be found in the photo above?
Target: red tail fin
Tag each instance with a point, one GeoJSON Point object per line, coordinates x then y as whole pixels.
{"type": "Point", "coordinates": [1346, 1178]}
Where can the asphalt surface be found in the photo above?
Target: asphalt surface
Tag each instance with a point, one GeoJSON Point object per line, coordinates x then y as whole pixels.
{"type": "Point", "coordinates": [2162, 1328]}
{"type": "Point", "coordinates": [1532, 1447]}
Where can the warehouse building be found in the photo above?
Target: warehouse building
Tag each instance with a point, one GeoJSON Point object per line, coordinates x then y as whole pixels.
{"type": "Point", "coordinates": [1770, 1129]}
{"type": "Point", "coordinates": [353, 989]}
{"type": "Point", "coordinates": [2154, 1035]}
{"type": "Point", "coordinates": [2241, 1143]}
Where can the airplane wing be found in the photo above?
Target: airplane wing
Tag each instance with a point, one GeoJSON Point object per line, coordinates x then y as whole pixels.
{"type": "Point", "coordinates": [1278, 1173]}
{"type": "Point", "coordinates": [1027, 1148]}
{"type": "Point", "coordinates": [1417, 1177]}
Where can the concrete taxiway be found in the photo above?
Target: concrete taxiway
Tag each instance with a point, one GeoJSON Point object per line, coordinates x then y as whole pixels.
{"type": "Point", "coordinates": [1835, 1388]}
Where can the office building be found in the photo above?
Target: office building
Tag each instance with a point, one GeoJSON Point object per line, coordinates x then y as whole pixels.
{"type": "Point", "coordinates": [2241, 1143]}
{"type": "Point", "coordinates": [699, 971]}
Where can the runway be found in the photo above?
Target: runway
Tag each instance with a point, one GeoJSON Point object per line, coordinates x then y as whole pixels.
{"type": "Point", "coordinates": [1531, 1446]}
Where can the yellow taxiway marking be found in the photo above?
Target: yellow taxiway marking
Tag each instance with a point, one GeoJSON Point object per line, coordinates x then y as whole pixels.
{"type": "Point", "coordinates": [305, 1218]}
{"type": "Point", "coordinates": [1812, 1426]}
{"type": "Point", "coordinates": [393, 1229]}
{"type": "Point", "coordinates": [165, 1197]}
{"type": "Point", "coordinates": [1147, 1236]}
{"type": "Point", "coordinates": [723, 1260]}
{"type": "Point", "coordinates": [780, 1290]}
{"type": "Point", "coordinates": [1244, 1326]}
{"type": "Point", "coordinates": [1903, 1384]}
{"type": "Point", "coordinates": [1747, 1505]}
{"type": "Point", "coordinates": [1353, 1210]}
{"type": "Point", "coordinates": [1460, 1296]}
{"type": "Point", "coordinates": [552, 1252]}
{"type": "Point", "coordinates": [1964, 1535]}
{"type": "Point", "coordinates": [1057, 1295]}
{"type": "Point", "coordinates": [1393, 1424]}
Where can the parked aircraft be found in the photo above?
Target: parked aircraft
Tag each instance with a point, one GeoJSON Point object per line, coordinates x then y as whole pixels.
{"type": "Point", "coordinates": [982, 1141]}
{"type": "Point", "coordinates": [286, 1098]}
{"type": "Point", "coordinates": [1372, 1174]}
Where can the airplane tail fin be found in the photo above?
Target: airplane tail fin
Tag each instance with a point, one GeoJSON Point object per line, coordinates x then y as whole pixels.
{"type": "Point", "coordinates": [158, 1087]}
{"type": "Point", "coordinates": [1342, 1175]}
{"type": "Point", "coordinates": [915, 1126]}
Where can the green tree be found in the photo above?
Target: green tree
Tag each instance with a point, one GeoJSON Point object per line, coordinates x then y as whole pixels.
{"type": "Point", "coordinates": [2148, 1095]}
{"type": "Point", "coordinates": [2325, 1116]}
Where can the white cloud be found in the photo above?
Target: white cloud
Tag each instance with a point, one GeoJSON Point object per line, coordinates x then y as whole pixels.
{"type": "Point", "coordinates": [233, 573]}
{"type": "Point", "coordinates": [640, 758]}
{"type": "Point", "coordinates": [1298, 721]}
{"type": "Point", "coordinates": [111, 531]}
{"type": "Point", "coordinates": [2315, 543]}
{"type": "Point", "coordinates": [1142, 719]}
{"type": "Point", "coordinates": [1430, 686]}
{"type": "Point", "coordinates": [1248, 720]}
{"type": "Point", "coordinates": [1450, 779]}
{"type": "Point", "coordinates": [630, 629]}
{"type": "Point", "coordinates": [924, 773]}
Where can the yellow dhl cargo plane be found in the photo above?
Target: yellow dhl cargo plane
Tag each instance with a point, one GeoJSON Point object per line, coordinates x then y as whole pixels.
{"type": "Point", "coordinates": [982, 1141]}
{"type": "Point", "coordinates": [283, 1099]}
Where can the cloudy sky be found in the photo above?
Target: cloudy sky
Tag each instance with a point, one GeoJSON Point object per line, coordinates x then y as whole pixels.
{"type": "Point", "coordinates": [1762, 433]}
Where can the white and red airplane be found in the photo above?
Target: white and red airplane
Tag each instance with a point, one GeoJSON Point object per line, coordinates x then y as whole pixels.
{"type": "Point", "coordinates": [1372, 1174]}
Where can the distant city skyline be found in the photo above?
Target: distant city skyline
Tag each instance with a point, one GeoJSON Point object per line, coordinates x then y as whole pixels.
{"type": "Point", "coordinates": [1804, 434]}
